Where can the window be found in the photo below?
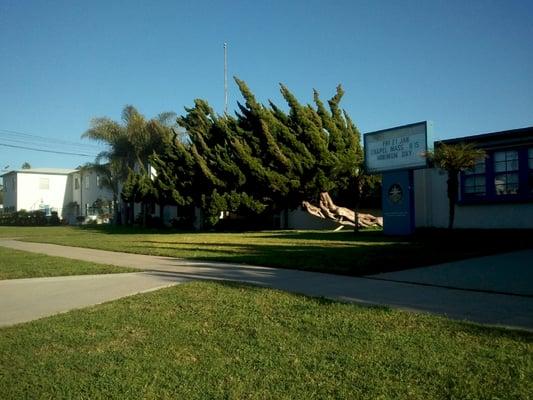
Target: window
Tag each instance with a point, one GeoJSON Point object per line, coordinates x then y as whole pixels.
{"type": "Point", "coordinates": [44, 183]}
{"type": "Point", "coordinates": [530, 169]}
{"type": "Point", "coordinates": [76, 183]}
{"type": "Point", "coordinates": [475, 180]}
{"type": "Point", "coordinates": [504, 176]}
{"type": "Point", "coordinates": [98, 182]}
{"type": "Point", "coordinates": [87, 182]}
{"type": "Point", "coordinates": [506, 172]}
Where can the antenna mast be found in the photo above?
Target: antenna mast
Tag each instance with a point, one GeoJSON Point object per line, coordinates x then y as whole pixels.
{"type": "Point", "coordinates": [225, 78]}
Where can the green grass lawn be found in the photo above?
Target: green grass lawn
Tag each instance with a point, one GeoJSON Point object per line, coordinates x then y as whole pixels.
{"type": "Point", "coordinates": [335, 252]}
{"type": "Point", "coordinates": [229, 341]}
{"type": "Point", "coordinates": [16, 264]}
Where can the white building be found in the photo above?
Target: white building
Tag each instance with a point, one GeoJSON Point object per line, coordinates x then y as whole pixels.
{"type": "Point", "coordinates": [68, 192]}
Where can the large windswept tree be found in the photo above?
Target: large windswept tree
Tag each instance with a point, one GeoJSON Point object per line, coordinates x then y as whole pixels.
{"type": "Point", "coordinates": [263, 158]}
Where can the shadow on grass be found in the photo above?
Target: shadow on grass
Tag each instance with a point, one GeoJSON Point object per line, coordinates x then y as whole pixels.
{"type": "Point", "coordinates": [346, 253]}
{"type": "Point", "coordinates": [456, 325]}
{"type": "Point", "coordinates": [347, 235]}
{"type": "Point", "coordinates": [344, 258]}
{"type": "Point", "coordinates": [522, 236]}
{"type": "Point", "coordinates": [130, 230]}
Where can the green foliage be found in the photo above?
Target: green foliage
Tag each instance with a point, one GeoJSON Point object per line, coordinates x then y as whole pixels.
{"type": "Point", "coordinates": [233, 202]}
{"type": "Point", "coordinates": [368, 253]}
{"type": "Point", "coordinates": [128, 193]}
{"type": "Point", "coordinates": [28, 218]}
{"type": "Point", "coordinates": [26, 165]}
{"type": "Point", "coordinates": [208, 340]}
{"type": "Point", "coordinates": [15, 264]}
{"type": "Point", "coordinates": [54, 219]}
{"type": "Point", "coordinates": [262, 159]}
{"type": "Point", "coordinates": [454, 159]}
{"type": "Point", "coordinates": [131, 144]}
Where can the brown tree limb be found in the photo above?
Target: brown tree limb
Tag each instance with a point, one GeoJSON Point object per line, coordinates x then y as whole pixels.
{"type": "Point", "coordinates": [327, 209]}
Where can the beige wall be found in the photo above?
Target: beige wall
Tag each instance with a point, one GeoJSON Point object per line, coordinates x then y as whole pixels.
{"type": "Point", "coordinates": [431, 207]}
{"type": "Point", "coordinates": [431, 201]}
{"type": "Point", "coordinates": [299, 219]}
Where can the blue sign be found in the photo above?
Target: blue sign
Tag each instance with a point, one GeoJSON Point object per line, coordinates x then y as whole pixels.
{"type": "Point", "coordinates": [398, 203]}
{"type": "Point", "coordinates": [395, 153]}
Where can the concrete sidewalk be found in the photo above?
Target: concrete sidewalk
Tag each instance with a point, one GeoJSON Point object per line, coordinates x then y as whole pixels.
{"type": "Point", "coordinates": [23, 300]}
{"type": "Point", "coordinates": [489, 308]}
{"type": "Point", "coordinates": [510, 273]}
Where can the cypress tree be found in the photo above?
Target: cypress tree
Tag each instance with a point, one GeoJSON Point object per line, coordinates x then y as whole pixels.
{"type": "Point", "coordinates": [261, 159]}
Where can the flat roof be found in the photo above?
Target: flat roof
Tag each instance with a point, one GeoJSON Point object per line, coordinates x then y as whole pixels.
{"type": "Point", "coordinates": [45, 171]}
{"type": "Point", "coordinates": [494, 139]}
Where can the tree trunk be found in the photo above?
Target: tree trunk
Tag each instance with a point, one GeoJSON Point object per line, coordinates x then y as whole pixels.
{"type": "Point", "coordinates": [342, 215]}
{"type": "Point", "coordinates": [144, 212]}
{"type": "Point", "coordinates": [453, 194]}
{"type": "Point", "coordinates": [161, 212]}
{"type": "Point", "coordinates": [131, 213]}
{"type": "Point", "coordinates": [357, 203]}
{"type": "Point", "coordinates": [451, 213]}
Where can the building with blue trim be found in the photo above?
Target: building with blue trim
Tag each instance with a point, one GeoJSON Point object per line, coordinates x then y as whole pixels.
{"type": "Point", "coordinates": [497, 193]}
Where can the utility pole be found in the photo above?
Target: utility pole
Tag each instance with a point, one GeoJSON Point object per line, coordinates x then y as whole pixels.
{"type": "Point", "coordinates": [225, 78]}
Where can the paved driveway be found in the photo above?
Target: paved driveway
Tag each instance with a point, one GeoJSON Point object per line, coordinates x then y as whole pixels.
{"type": "Point", "coordinates": [439, 296]}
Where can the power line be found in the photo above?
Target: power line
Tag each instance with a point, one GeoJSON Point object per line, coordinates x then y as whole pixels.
{"type": "Point", "coordinates": [47, 139]}
{"type": "Point", "coordinates": [21, 142]}
{"type": "Point", "coordinates": [47, 151]}
{"type": "Point", "coordinates": [36, 142]}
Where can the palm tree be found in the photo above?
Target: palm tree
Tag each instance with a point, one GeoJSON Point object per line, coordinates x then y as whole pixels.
{"type": "Point", "coordinates": [453, 159]}
{"type": "Point", "coordinates": [130, 144]}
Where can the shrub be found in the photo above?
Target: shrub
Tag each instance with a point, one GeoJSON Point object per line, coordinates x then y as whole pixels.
{"type": "Point", "coordinates": [182, 223]}
{"type": "Point", "coordinates": [28, 218]}
{"type": "Point", "coordinates": [150, 221]}
{"type": "Point", "coordinates": [54, 219]}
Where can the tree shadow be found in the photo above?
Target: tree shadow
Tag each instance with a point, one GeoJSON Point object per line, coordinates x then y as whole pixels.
{"type": "Point", "coordinates": [274, 280]}
{"type": "Point", "coordinates": [345, 253]}
{"type": "Point", "coordinates": [130, 230]}
{"type": "Point", "coordinates": [344, 258]}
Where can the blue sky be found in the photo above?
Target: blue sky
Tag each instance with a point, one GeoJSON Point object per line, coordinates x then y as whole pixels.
{"type": "Point", "coordinates": [465, 65]}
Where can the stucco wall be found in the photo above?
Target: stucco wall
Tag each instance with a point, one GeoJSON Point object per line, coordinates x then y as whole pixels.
{"type": "Point", "coordinates": [507, 216]}
{"type": "Point", "coordinates": [32, 191]}
{"type": "Point", "coordinates": [86, 196]}
{"type": "Point", "coordinates": [431, 201]}
{"type": "Point", "coordinates": [10, 192]}
{"type": "Point", "coordinates": [299, 219]}
{"type": "Point", "coordinates": [431, 207]}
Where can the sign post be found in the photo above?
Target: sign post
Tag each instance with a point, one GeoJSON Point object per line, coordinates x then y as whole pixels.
{"type": "Point", "coordinates": [395, 153]}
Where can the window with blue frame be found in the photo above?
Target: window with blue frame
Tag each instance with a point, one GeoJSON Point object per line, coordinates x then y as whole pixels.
{"type": "Point", "coordinates": [474, 180]}
{"type": "Point", "coordinates": [506, 172]}
{"type": "Point", "coordinates": [530, 170]}
{"type": "Point", "coordinates": [504, 175]}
